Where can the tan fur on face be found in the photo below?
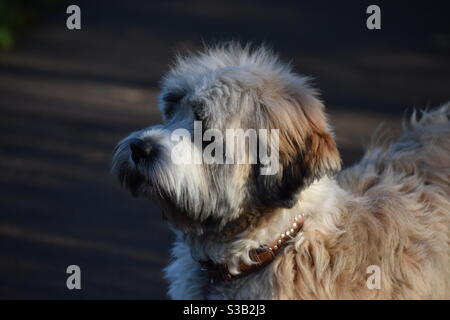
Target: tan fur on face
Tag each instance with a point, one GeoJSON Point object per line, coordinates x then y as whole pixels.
{"type": "Point", "coordinates": [303, 125]}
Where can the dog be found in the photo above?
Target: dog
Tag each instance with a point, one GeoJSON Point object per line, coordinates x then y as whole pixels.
{"type": "Point", "coordinates": [376, 230]}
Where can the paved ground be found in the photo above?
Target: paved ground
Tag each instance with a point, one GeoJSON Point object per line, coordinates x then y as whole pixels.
{"type": "Point", "coordinates": [66, 98]}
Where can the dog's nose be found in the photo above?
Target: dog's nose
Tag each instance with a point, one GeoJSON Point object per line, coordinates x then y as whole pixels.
{"type": "Point", "coordinates": [140, 150]}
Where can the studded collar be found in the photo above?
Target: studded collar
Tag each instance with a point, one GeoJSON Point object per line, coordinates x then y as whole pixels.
{"type": "Point", "coordinates": [261, 256]}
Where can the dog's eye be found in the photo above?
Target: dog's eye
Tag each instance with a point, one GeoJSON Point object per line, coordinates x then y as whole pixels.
{"type": "Point", "coordinates": [171, 99]}
{"type": "Point", "coordinates": [197, 116]}
{"type": "Point", "coordinates": [197, 111]}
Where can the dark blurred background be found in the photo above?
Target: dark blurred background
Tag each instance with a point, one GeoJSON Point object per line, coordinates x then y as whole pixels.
{"type": "Point", "coordinates": [67, 97]}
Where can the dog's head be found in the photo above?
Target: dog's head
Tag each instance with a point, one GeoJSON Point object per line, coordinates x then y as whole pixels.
{"type": "Point", "coordinates": [203, 96]}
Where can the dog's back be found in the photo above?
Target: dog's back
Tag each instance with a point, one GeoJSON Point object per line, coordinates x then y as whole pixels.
{"type": "Point", "coordinates": [412, 175]}
{"type": "Point", "coordinates": [422, 151]}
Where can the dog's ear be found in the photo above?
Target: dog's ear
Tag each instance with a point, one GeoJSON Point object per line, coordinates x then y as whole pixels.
{"type": "Point", "coordinates": [307, 150]}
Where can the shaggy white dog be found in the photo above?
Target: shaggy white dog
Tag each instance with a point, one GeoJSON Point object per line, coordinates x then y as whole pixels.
{"type": "Point", "coordinates": [310, 231]}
